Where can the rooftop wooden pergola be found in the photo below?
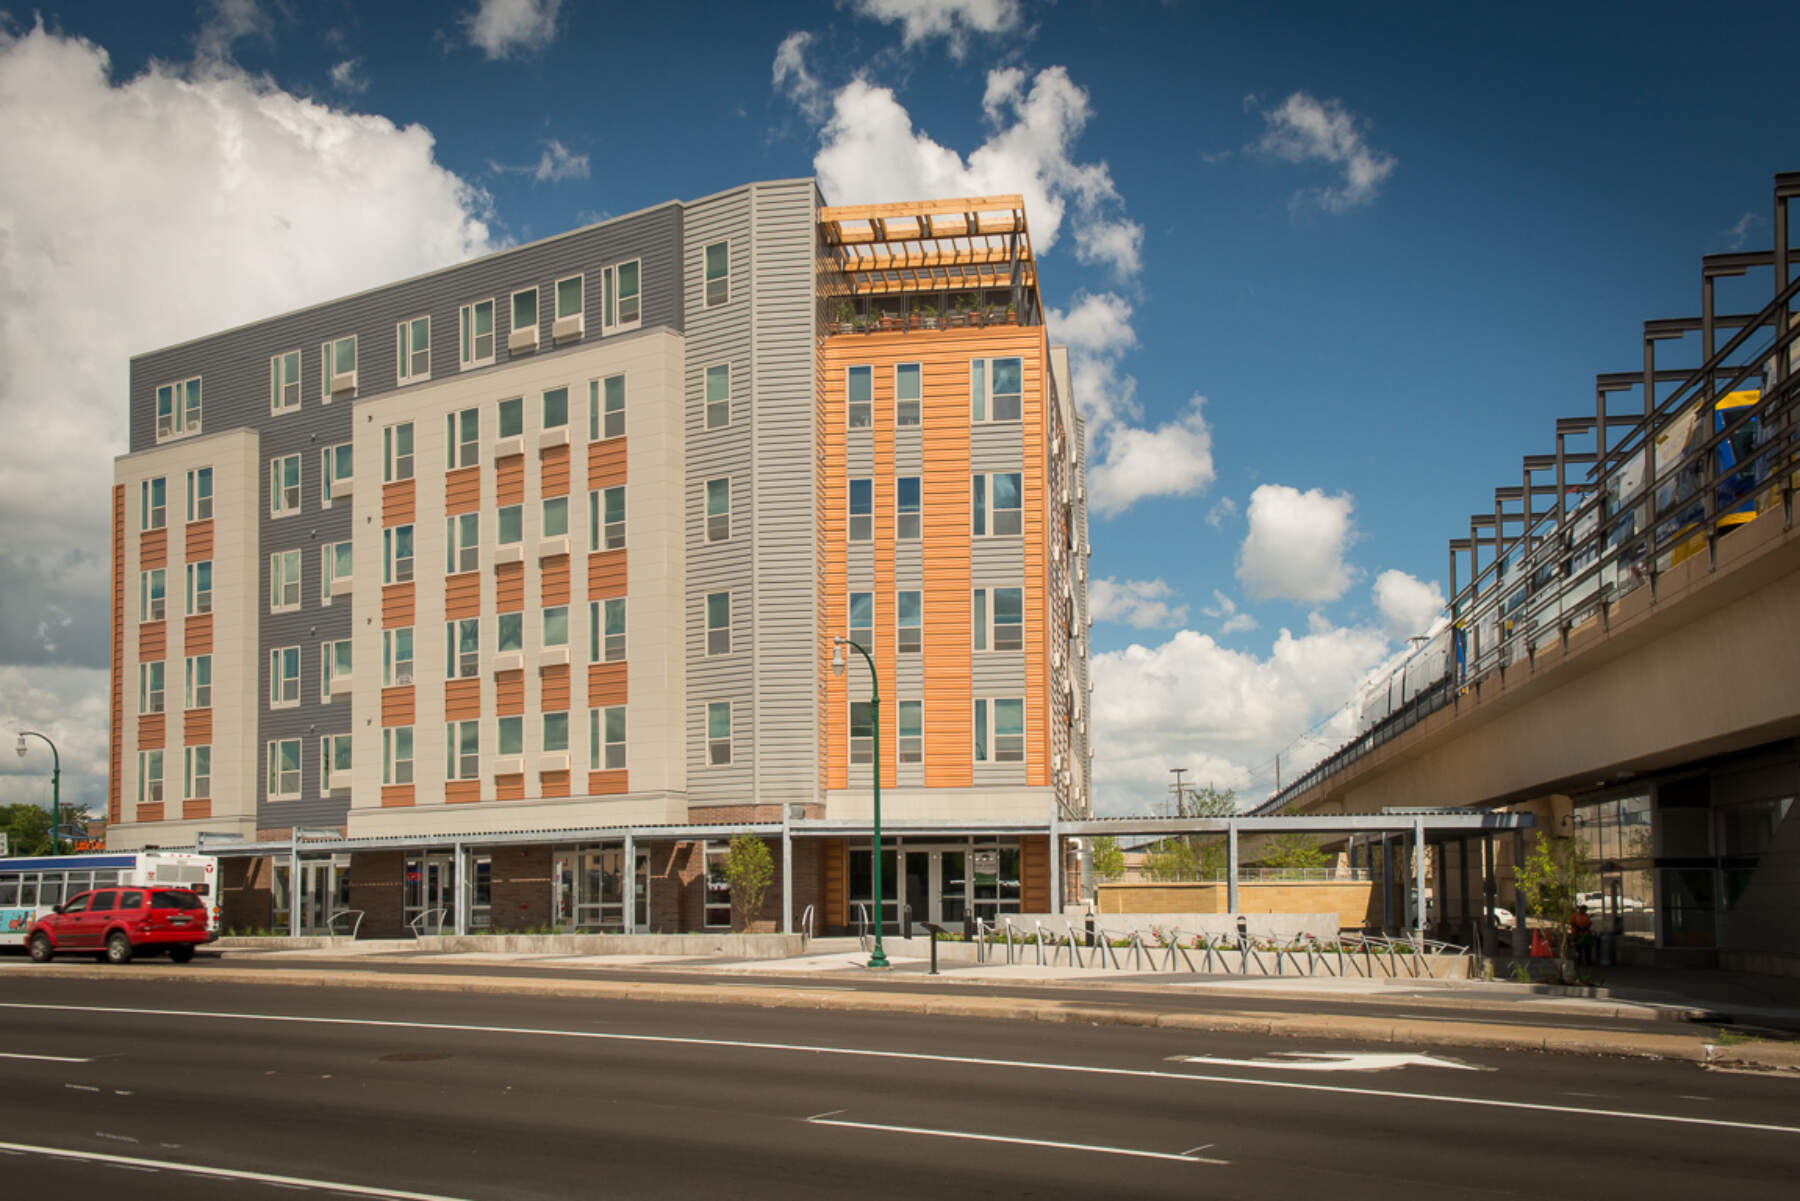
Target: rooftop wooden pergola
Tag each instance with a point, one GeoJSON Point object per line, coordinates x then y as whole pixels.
{"type": "Point", "coordinates": [957, 245]}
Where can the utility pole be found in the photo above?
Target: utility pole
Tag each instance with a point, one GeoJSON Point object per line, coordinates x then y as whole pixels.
{"type": "Point", "coordinates": [1176, 788]}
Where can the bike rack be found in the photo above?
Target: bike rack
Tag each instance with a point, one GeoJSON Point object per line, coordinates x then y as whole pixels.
{"type": "Point", "coordinates": [806, 926]}
{"type": "Point", "coordinates": [418, 923]}
{"type": "Point", "coordinates": [357, 913]}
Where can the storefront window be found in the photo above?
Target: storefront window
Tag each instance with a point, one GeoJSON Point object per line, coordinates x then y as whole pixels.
{"type": "Point", "coordinates": [718, 885]}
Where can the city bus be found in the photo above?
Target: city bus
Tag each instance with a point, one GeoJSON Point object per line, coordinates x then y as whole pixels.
{"type": "Point", "coordinates": [32, 887]}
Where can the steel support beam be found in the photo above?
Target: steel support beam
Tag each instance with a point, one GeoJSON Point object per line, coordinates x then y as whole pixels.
{"type": "Point", "coordinates": [630, 915]}
{"type": "Point", "coordinates": [1231, 866]}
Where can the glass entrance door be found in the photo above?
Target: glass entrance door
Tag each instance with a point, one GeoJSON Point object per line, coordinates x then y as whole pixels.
{"type": "Point", "coordinates": [430, 894]}
{"type": "Point", "coordinates": [920, 894]}
{"type": "Point", "coordinates": [324, 891]}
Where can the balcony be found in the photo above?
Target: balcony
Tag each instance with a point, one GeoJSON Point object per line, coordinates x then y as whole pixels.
{"type": "Point", "coordinates": [931, 312]}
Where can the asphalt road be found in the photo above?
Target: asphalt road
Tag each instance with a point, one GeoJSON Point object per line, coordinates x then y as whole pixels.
{"type": "Point", "coordinates": [343, 1091]}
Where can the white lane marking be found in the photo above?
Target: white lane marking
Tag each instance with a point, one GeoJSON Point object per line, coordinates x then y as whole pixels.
{"type": "Point", "coordinates": [828, 1113]}
{"type": "Point", "coordinates": [117, 1138]}
{"type": "Point", "coordinates": [1022, 1142]}
{"type": "Point", "coordinates": [43, 1058]}
{"type": "Point", "coordinates": [134, 1163]}
{"type": "Point", "coordinates": [82, 1088]}
{"type": "Point", "coordinates": [917, 1057]}
{"type": "Point", "coordinates": [1322, 1061]}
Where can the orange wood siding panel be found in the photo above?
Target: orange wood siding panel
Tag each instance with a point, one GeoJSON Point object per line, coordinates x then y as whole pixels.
{"type": "Point", "coordinates": [606, 684]}
{"type": "Point", "coordinates": [196, 727]}
{"type": "Point", "coordinates": [607, 783]}
{"type": "Point", "coordinates": [462, 595]}
{"type": "Point", "coordinates": [1034, 874]}
{"type": "Point", "coordinates": [462, 491]}
{"type": "Point", "coordinates": [396, 605]}
{"type": "Point", "coordinates": [837, 883]}
{"type": "Point", "coordinates": [606, 574]}
{"type": "Point", "coordinates": [398, 705]}
{"type": "Point", "coordinates": [151, 730]}
{"type": "Point", "coordinates": [553, 579]}
{"type": "Point", "coordinates": [553, 783]}
{"type": "Point", "coordinates": [153, 641]}
{"type": "Point", "coordinates": [553, 687]}
{"type": "Point", "coordinates": [462, 699]}
{"type": "Point", "coordinates": [462, 792]}
{"type": "Point", "coordinates": [509, 693]}
{"type": "Point", "coordinates": [197, 635]}
{"type": "Point", "coordinates": [553, 473]}
{"type": "Point", "coordinates": [399, 501]}
{"type": "Point", "coordinates": [198, 809]}
{"type": "Point", "coordinates": [606, 463]}
{"type": "Point", "coordinates": [509, 480]}
{"type": "Point", "coordinates": [509, 587]}
{"type": "Point", "coordinates": [115, 737]}
{"type": "Point", "coordinates": [153, 549]}
{"type": "Point", "coordinates": [511, 787]}
{"type": "Point", "coordinates": [150, 813]}
{"type": "Point", "coordinates": [199, 541]}
{"type": "Point", "coordinates": [396, 796]}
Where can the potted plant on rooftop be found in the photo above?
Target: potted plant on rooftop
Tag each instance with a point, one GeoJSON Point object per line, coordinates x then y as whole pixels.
{"type": "Point", "coordinates": [846, 317]}
{"type": "Point", "coordinates": [928, 315]}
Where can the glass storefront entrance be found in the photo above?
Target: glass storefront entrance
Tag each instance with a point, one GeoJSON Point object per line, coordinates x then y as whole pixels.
{"type": "Point", "coordinates": [589, 888]}
{"type": "Point", "coordinates": [942, 882]}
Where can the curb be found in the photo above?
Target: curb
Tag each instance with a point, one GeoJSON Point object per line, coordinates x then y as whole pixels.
{"type": "Point", "coordinates": [1750, 1055]}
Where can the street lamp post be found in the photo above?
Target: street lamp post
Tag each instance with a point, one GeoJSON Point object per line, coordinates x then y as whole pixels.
{"type": "Point", "coordinates": [879, 958]}
{"type": "Point", "coordinates": [55, 785]}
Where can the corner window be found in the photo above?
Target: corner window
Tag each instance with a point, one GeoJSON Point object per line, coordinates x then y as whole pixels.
{"type": "Point", "coordinates": [606, 738]}
{"type": "Point", "coordinates": [413, 343]}
{"type": "Point", "coordinates": [718, 623]}
{"type": "Point", "coordinates": [862, 510]}
{"type": "Point", "coordinates": [284, 581]}
{"type": "Point", "coordinates": [912, 732]}
{"type": "Point", "coordinates": [859, 393]}
{"type": "Point", "coordinates": [718, 509]}
{"type": "Point", "coordinates": [150, 777]}
{"type": "Point", "coordinates": [606, 518]}
{"type": "Point", "coordinates": [397, 554]}
{"type": "Point", "coordinates": [718, 733]}
{"type": "Point", "coordinates": [620, 306]}
{"type": "Point", "coordinates": [462, 639]}
{"type": "Point", "coordinates": [153, 504]}
{"type": "Point", "coordinates": [718, 396]}
{"type": "Point", "coordinates": [199, 682]}
{"type": "Point", "coordinates": [718, 274]}
{"type": "Point", "coordinates": [606, 630]}
{"type": "Point", "coordinates": [199, 494]}
{"type": "Point", "coordinates": [476, 327]}
{"type": "Point", "coordinates": [397, 755]}
{"type": "Point", "coordinates": [284, 486]}
{"type": "Point", "coordinates": [606, 408]}
{"type": "Point", "coordinates": [396, 656]}
{"type": "Point", "coordinates": [284, 677]}
{"type": "Point", "coordinates": [906, 394]}
{"type": "Point", "coordinates": [524, 309]}
{"type": "Point", "coordinates": [906, 508]}
{"type": "Point", "coordinates": [199, 587]}
{"type": "Point", "coordinates": [178, 409]}
{"type": "Point", "coordinates": [996, 389]}
{"type": "Point", "coordinates": [556, 408]}
{"type": "Point", "coordinates": [397, 453]}
{"type": "Point", "coordinates": [995, 505]}
{"type": "Point", "coordinates": [909, 623]}
{"type": "Point", "coordinates": [462, 745]}
{"type": "Point", "coordinates": [463, 542]}
{"type": "Point", "coordinates": [556, 625]}
{"type": "Point", "coordinates": [150, 687]}
{"type": "Point", "coordinates": [862, 732]}
{"type": "Point", "coordinates": [151, 599]}
{"type": "Point", "coordinates": [463, 439]}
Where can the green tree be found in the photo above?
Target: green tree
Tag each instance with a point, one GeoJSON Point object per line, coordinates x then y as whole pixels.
{"type": "Point", "coordinates": [1551, 880]}
{"type": "Point", "coordinates": [27, 829]}
{"type": "Point", "coordinates": [750, 868]}
{"type": "Point", "coordinates": [1109, 860]}
{"type": "Point", "coordinates": [1193, 856]}
{"type": "Point", "coordinates": [1294, 851]}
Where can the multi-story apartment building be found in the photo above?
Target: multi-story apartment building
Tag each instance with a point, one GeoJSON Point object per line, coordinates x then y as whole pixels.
{"type": "Point", "coordinates": [474, 589]}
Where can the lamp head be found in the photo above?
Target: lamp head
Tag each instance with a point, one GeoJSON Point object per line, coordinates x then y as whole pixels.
{"type": "Point", "coordinates": [837, 669]}
{"type": "Point", "coordinates": [21, 746]}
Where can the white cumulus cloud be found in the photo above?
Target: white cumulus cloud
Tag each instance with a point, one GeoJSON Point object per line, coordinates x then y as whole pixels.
{"type": "Point", "coordinates": [1296, 544]}
{"type": "Point", "coordinates": [793, 78]}
{"type": "Point", "coordinates": [1302, 129]}
{"type": "Point", "coordinates": [1144, 604]}
{"type": "Point", "coordinates": [1173, 459]}
{"type": "Point", "coordinates": [1231, 619]}
{"type": "Point", "coordinates": [952, 20]}
{"type": "Point", "coordinates": [512, 28]}
{"type": "Point", "coordinates": [348, 76]}
{"type": "Point", "coordinates": [1407, 604]}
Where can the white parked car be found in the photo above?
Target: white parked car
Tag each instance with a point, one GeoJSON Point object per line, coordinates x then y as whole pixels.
{"type": "Point", "coordinates": [1504, 919]}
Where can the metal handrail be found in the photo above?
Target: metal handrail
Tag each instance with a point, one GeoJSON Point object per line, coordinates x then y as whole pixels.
{"type": "Point", "coordinates": [418, 922]}
{"type": "Point", "coordinates": [806, 925]}
{"type": "Point", "coordinates": [357, 913]}
{"type": "Point", "coordinates": [862, 924]}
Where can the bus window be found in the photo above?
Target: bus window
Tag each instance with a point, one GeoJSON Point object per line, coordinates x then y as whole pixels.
{"type": "Point", "coordinates": [9, 890]}
{"type": "Point", "coordinates": [102, 879]}
{"type": "Point", "coordinates": [50, 889]}
{"type": "Point", "coordinates": [28, 890]}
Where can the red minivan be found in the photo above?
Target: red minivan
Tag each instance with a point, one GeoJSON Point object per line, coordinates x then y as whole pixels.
{"type": "Point", "coordinates": [117, 923]}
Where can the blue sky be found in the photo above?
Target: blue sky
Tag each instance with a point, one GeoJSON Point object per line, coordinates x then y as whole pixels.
{"type": "Point", "coordinates": [1384, 248]}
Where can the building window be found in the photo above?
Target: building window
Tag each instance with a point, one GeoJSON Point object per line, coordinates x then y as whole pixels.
{"type": "Point", "coordinates": [996, 392]}
{"type": "Point", "coordinates": [150, 777]}
{"type": "Point", "coordinates": [1004, 740]}
{"type": "Point", "coordinates": [996, 506]}
{"type": "Point", "coordinates": [556, 625]}
{"type": "Point", "coordinates": [556, 517]}
{"type": "Point", "coordinates": [621, 308]}
{"type": "Point", "coordinates": [568, 297]}
{"type": "Point", "coordinates": [334, 562]}
{"type": "Point", "coordinates": [338, 360]}
{"type": "Point", "coordinates": [606, 630]}
{"type": "Point", "coordinates": [524, 309]}
{"type": "Point", "coordinates": [334, 759]}
{"type": "Point", "coordinates": [717, 909]}
{"type": "Point", "coordinates": [397, 755]}
{"type": "Point", "coordinates": [906, 508]}
{"type": "Point", "coordinates": [397, 452]}
{"type": "Point", "coordinates": [862, 510]}
{"type": "Point", "coordinates": [510, 633]}
{"type": "Point", "coordinates": [462, 539]}
{"type": "Point", "coordinates": [412, 340]}
{"type": "Point", "coordinates": [178, 409]}
{"type": "Point", "coordinates": [512, 418]}
{"type": "Point", "coordinates": [718, 274]}
{"type": "Point", "coordinates": [718, 509]}
{"type": "Point", "coordinates": [463, 440]}
{"type": "Point", "coordinates": [199, 682]}
{"type": "Point", "coordinates": [477, 326]}
{"type": "Point", "coordinates": [284, 382]}
{"type": "Point", "coordinates": [556, 732]}
{"type": "Point", "coordinates": [284, 486]}
{"type": "Point", "coordinates": [859, 390]}
{"type": "Point", "coordinates": [512, 737]}
{"type": "Point", "coordinates": [196, 773]}
{"type": "Point", "coordinates": [606, 518]}
{"type": "Point", "coordinates": [397, 554]}
{"type": "Point", "coordinates": [397, 656]}
{"type": "Point", "coordinates": [718, 623]}
{"type": "Point", "coordinates": [462, 640]}
{"type": "Point", "coordinates": [284, 581]}
{"type": "Point", "coordinates": [153, 504]}
{"type": "Point", "coordinates": [462, 746]}
{"type": "Point", "coordinates": [556, 408]}
{"type": "Point", "coordinates": [284, 677]}
{"type": "Point", "coordinates": [912, 732]}
{"type": "Point", "coordinates": [718, 396]}
{"type": "Point", "coordinates": [334, 661]}
{"type": "Point", "coordinates": [199, 588]}
{"type": "Point", "coordinates": [718, 733]}
{"type": "Point", "coordinates": [150, 687]}
{"type": "Point", "coordinates": [862, 620]}
{"type": "Point", "coordinates": [284, 770]}
{"type": "Point", "coordinates": [334, 466]}
{"type": "Point", "coordinates": [606, 408]}
{"type": "Point", "coordinates": [999, 619]}
{"type": "Point", "coordinates": [511, 522]}
{"type": "Point", "coordinates": [199, 494]}
{"type": "Point", "coordinates": [909, 622]}
{"type": "Point", "coordinates": [862, 732]}
{"type": "Point", "coordinates": [906, 394]}
{"type": "Point", "coordinates": [150, 594]}
{"type": "Point", "coordinates": [606, 738]}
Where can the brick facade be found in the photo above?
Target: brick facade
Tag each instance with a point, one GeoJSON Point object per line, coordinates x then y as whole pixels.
{"type": "Point", "coordinates": [378, 888]}
{"type": "Point", "coordinates": [522, 892]}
